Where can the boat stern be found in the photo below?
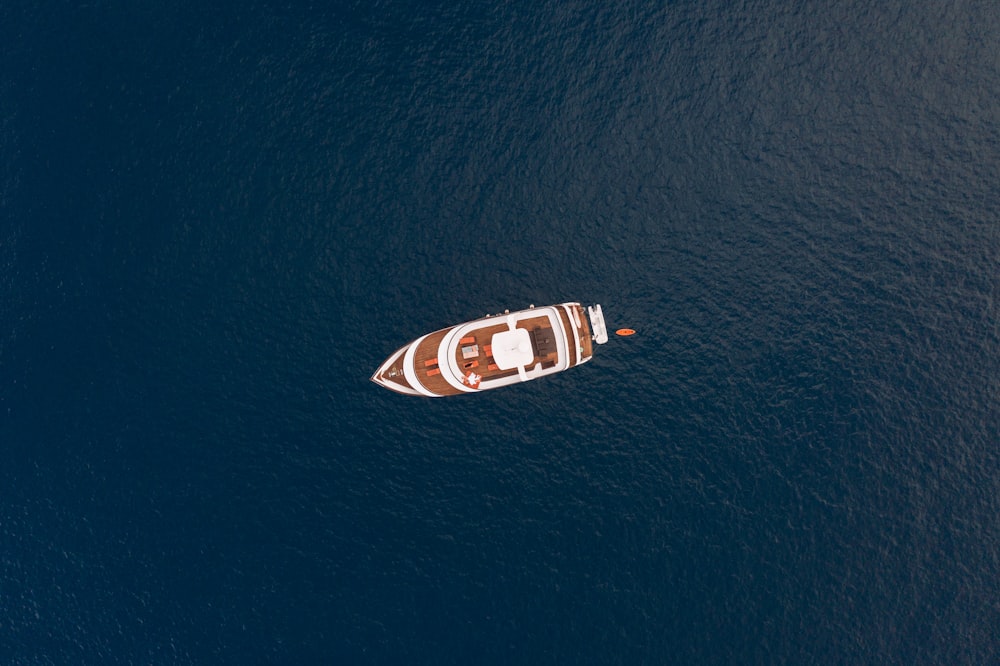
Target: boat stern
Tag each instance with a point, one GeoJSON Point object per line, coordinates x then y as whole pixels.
{"type": "Point", "coordinates": [597, 325]}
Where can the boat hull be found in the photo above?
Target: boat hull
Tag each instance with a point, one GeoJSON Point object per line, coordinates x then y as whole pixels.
{"type": "Point", "coordinates": [492, 352]}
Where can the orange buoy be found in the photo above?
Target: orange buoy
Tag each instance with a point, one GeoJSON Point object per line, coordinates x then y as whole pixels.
{"type": "Point", "coordinates": [624, 332]}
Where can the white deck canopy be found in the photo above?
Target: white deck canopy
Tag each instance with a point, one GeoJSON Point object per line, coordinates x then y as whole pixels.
{"type": "Point", "coordinates": [512, 349]}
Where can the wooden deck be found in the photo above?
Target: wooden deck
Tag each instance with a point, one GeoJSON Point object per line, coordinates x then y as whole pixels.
{"type": "Point", "coordinates": [427, 363]}
{"type": "Point", "coordinates": [583, 330]}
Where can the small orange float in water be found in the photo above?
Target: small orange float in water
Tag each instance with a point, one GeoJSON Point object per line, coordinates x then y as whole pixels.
{"type": "Point", "coordinates": [624, 331]}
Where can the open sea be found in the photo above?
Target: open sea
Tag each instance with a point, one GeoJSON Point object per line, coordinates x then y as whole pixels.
{"type": "Point", "coordinates": [217, 219]}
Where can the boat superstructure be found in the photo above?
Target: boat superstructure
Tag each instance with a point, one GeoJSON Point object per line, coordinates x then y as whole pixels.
{"type": "Point", "coordinates": [497, 350]}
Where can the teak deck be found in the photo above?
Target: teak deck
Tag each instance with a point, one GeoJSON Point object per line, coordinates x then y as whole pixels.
{"type": "Point", "coordinates": [482, 364]}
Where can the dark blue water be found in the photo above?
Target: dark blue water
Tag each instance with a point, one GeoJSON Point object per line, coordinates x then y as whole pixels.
{"type": "Point", "coordinates": [218, 220]}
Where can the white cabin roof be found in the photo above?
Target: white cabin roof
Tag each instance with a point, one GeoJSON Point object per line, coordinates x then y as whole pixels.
{"type": "Point", "coordinates": [512, 349]}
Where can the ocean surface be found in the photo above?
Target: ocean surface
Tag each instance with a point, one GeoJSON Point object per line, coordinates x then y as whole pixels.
{"type": "Point", "coordinates": [217, 219]}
